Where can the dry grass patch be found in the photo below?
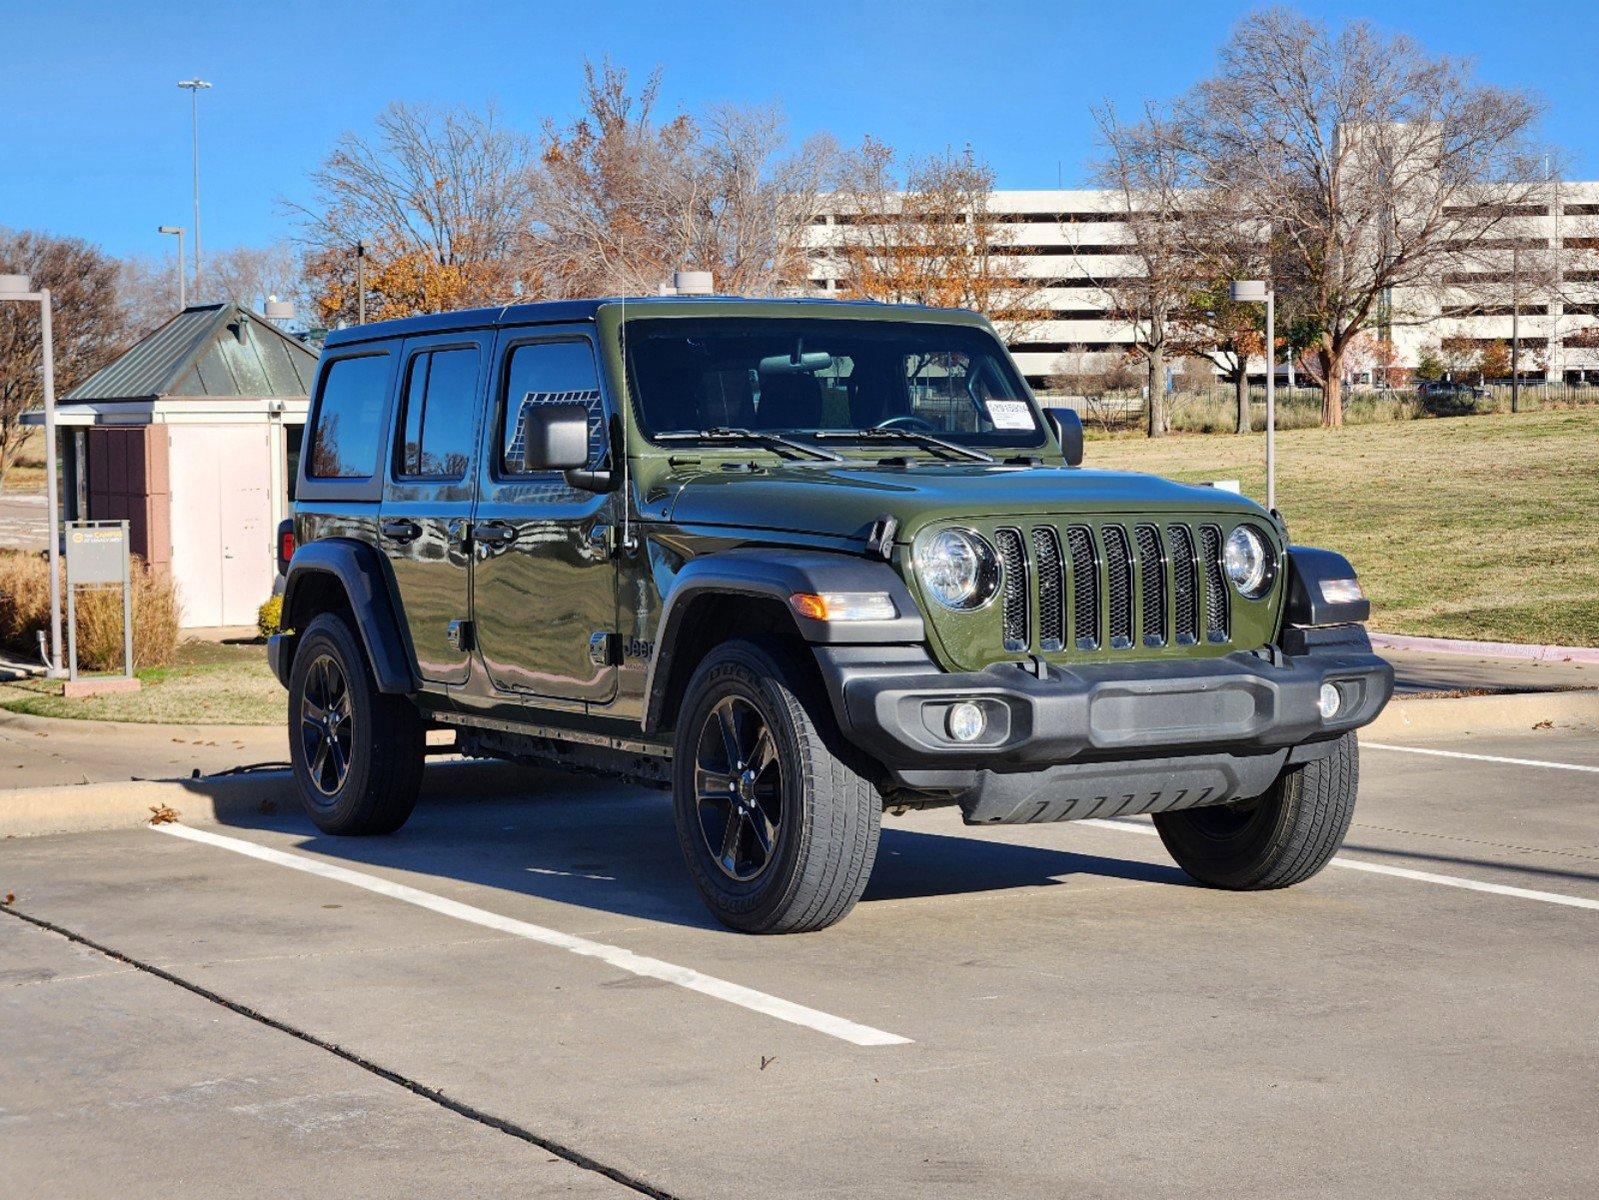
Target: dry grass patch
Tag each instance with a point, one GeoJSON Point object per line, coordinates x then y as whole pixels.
{"type": "Point", "coordinates": [1476, 527]}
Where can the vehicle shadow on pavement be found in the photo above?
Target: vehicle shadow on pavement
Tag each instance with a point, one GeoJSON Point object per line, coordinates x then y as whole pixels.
{"type": "Point", "coordinates": [608, 847]}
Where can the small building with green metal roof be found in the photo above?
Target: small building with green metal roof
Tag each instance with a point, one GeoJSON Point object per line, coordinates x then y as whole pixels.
{"type": "Point", "coordinates": [193, 437]}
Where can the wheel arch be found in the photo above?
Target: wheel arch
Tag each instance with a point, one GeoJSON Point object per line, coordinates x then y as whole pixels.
{"type": "Point", "coordinates": [738, 593]}
{"type": "Point", "coordinates": [349, 577]}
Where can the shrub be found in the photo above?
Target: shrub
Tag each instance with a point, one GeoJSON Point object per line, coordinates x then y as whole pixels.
{"type": "Point", "coordinates": [269, 616]}
{"type": "Point", "coordinates": [25, 610]}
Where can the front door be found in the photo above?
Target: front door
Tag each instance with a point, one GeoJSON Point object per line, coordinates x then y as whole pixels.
{"type": "Point", "coordinates": [427, 497]}
{"type": "Point", "coordinates": [544, 583]}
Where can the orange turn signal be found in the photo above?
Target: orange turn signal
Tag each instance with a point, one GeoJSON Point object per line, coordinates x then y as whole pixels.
{"type": "Point", "coordinates": [844, 606]}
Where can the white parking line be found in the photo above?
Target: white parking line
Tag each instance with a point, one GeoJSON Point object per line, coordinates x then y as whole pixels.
{"type": "Point", "coordinates": [625, 960]}
{"type": "Point", "coordinates": [1493, 758]}
{"type": "Point", "coordinates": [1355, 864]}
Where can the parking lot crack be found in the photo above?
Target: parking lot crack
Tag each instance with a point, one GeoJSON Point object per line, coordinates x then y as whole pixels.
{"type": "Point", "coordinates": [510, 1128]}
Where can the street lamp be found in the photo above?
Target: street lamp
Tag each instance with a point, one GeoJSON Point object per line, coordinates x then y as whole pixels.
{"type": "Point", "coordinates": [183, 300]}
{"type": "Point", "coordinates": [194, 87]}
{"type": "Point", "coordinates": [1257, 291]}
{"type": "Point", "coordinates": [18, 287]}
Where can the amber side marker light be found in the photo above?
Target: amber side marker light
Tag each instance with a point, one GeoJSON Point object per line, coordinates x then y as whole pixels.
{"type": "Point", "coordinates": [844, 606]}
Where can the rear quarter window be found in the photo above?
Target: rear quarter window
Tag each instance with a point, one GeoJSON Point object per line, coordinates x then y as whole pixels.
{"type": "Point", "coordinates": [349, 418]}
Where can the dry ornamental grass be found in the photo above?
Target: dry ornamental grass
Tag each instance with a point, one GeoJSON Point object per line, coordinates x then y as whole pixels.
{"type": "Point", "coordinates": [25, 610]}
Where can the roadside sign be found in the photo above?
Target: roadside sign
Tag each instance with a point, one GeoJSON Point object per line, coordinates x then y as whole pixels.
{"type": "Point", "coordinates": [97, 557]}
{"type": "Point", "coordinates": [97, 554]}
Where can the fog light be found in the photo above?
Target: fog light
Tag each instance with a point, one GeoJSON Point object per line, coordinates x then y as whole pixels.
{"type": "Point", "coordinates": [1330, 702]}
{"type": "Point", "coordinates": [966, 721]}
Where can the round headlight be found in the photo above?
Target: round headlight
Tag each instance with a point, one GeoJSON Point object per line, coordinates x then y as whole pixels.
{"type": "Point", "coordinates": [958, 569]}
{"type": "Point", "coordinates": [1247, 558]}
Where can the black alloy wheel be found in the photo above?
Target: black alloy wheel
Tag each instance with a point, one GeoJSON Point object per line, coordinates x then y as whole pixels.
{"type": "Point", "coordinates": [327, 734]}
{"type": "Point", "coordinates": [738, 789]}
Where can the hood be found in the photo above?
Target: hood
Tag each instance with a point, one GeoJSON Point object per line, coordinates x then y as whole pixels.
{"type": "Point", "coordinates": [843, 500]}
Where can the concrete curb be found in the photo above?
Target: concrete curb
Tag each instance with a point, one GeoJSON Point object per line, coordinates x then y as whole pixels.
{"type": "Point", "coordinates": [1516, 650]}
{"type": "Point", "coordinates": [1516, 712]}
{"type": "Point", "coordinates": [247, 798]}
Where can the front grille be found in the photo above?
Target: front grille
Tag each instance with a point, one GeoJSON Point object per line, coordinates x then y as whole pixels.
{"type": "Point", "coordinates": [1110, 589]}
{"type": "Point", "coordinates": [1119, 589]}
{"type": "Point", "coordinates": [1051, 589]}
{"type": "Point", "coordinates": [1215, 584]}
{"type": "Point", "coordinates": [1185, 585]}
{"type": "Point", "coordinates": [1013, 566]}
{"type": "Point", "coordinates": [1152, 580]}
{"type": "Point", "coordinates": [1085, 587]}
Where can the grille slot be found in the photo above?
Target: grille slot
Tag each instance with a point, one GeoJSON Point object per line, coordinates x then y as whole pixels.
{"type": "Point", "coordinates": [1215, 584]}
{"type": "Point", "coordinates": [1185, 585]}
{"type": "Point", "coordinates": [1013, 563]}
{"type": "Point", "coordinates": [1152, 572]}
{"type": "Point", "coordinates": [1119, 585]}
{"type": "Point", "coordinates": [1051, 589]}
{"type": "Point", "coordinates": [1085, 587]}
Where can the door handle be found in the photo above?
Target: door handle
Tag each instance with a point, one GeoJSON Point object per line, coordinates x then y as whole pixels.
{"type": "Point", "coordinates": [398, 529]}
{"type": "Point", "coordinates": [496, 534]}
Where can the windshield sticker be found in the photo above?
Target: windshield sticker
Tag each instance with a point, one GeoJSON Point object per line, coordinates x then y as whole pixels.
{"type": "Point", "coordinates": [1009, 414]}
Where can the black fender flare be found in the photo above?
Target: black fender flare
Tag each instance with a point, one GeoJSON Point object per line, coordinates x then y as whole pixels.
{"type": "Point", "coordinates": [777, 573]}
{"type": "Point", "coordinates": [1307, 605]}
{"type": "Point", "coordinates": [364, 575]}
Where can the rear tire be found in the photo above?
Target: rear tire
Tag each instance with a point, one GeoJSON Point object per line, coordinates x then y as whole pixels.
{"type": "Point", "coordinates": [357, 753]}
{"type": "Point", "coordinates": [1275, 840]}
{"type": "Point", "coordinates": [779, 833]}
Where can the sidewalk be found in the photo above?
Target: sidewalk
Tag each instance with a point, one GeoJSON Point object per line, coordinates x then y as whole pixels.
{"type": "Point", "coordinates": [1420, 674]}
{"type": "Point", "coordinates": [43, 752]}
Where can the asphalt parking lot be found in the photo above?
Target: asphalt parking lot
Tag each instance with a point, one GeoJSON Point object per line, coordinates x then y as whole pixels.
{"type": "Point", "coordinates": [520, 994]}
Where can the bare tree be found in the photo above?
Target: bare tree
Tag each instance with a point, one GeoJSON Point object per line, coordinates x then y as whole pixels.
{"type": "Point", "coordinates": [444, 201]}
{"type": "Point", "coordinates": [624, 200]}
{"type": "Point", "coordinates": [924, 232]}
{"type": "Point", "coordinates": [1373, 165]}
{"type": "Point", "coordinates": [1145, 167]}
{"type": "Point", "coordinates": [89, 325]}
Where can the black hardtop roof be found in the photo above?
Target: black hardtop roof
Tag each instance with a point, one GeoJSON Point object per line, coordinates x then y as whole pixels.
{"type": "Point", "coordinates": [545, 312]}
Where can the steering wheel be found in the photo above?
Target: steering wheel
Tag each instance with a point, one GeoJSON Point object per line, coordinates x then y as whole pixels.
{"type": "Point", "coordinates": [908, 421]}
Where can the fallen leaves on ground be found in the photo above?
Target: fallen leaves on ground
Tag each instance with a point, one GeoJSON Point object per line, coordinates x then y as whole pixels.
{"type": "Point", "coordinates": [162, 814]}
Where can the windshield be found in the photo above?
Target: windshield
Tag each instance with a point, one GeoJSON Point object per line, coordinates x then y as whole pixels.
{"type": "Point", "coordinates": [828, 377]}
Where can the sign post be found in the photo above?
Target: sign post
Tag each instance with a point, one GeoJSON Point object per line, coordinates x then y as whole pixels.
{"type": "Point", "coordinates": [97, 558]}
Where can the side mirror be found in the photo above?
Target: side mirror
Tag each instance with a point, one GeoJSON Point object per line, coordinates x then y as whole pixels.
{"type": "Point", "coordinates": [555, 437]}
{"type": "Point", "coordinates": [1068, 427]}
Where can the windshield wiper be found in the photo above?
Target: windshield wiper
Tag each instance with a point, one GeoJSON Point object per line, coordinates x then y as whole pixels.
{"type": "Point", "coordinates": [772, 441]}
{"type": "Point", "coordinates": [925, 440]}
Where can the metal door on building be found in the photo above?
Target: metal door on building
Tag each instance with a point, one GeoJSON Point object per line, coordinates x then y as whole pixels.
{"type": "Point", "coordinates": [221, 522]}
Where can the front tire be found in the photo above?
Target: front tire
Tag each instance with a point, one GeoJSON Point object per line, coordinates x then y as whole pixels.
{"type": "Point", "coordinates": [779, 833]}
{"type": "Point", "coordinates": [1275, 840]}
{"type": "Point", "coordinates": [357, 753]}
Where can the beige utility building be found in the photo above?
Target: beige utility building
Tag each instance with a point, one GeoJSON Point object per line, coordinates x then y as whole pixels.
{"type": "Point", "coordinates": [193, 437]}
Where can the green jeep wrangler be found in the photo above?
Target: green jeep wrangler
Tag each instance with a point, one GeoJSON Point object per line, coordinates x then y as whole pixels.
{"type": "Point", "coordinates": [799, 561]}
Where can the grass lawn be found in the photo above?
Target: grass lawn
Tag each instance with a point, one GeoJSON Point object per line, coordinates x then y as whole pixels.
{"type": "Point", "coordinates": [1473, 527]}
{"type": "Point", "coordinates": [210, 683]}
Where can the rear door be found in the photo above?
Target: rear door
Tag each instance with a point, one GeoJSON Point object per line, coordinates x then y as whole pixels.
{"type": "Point", "coordinates": [427, 496]}
{"type": "Point", "coordinates": [544, 582]}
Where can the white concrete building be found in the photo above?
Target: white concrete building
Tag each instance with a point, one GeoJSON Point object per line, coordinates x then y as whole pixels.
{"type": "Point", "coordinates": [1071, 240]}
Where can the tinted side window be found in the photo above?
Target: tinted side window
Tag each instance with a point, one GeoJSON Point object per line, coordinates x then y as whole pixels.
{"type": "Point", "coordinates": [348, 418]}
{"type": "Point", "coordinates": [548, 373]}
{"type": "Point", "coordinates": [436, 415]}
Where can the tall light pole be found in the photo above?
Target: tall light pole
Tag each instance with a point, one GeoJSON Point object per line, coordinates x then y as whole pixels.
{"type": "Point", "coordinates": [195, 87]}
{"type": "Point", "coordinates": [360, 283]}
{"type": "Point", "coordinates": [183, 301]}
{"type": "Point", "coordinates": [17, 287]}
{"type": "Point", "coordinates": [1256, 291]}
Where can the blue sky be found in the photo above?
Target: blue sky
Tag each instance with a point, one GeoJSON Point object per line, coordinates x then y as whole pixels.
{"type": "Point", "coordinates": [94, 134]}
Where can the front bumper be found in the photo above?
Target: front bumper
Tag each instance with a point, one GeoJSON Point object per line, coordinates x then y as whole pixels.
{"type": "Point", "coordinates": [1123, 728]}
